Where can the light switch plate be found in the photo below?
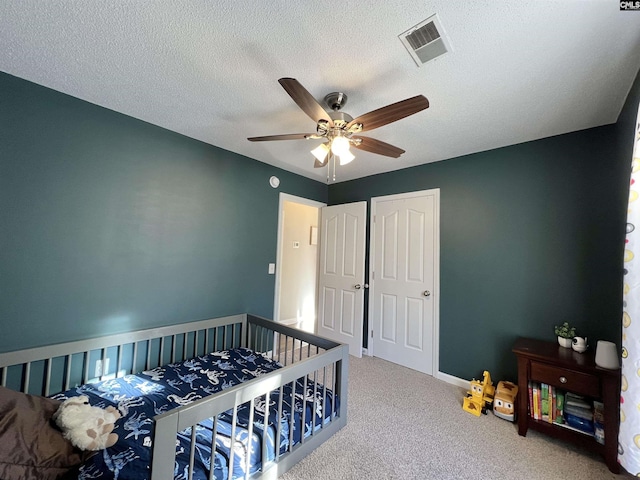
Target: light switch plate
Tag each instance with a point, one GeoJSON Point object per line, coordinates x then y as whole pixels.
{"type": "Point", "coordinates": [272, 268]}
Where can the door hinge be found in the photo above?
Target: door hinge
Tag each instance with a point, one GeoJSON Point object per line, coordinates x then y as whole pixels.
{"type": "Point", "coordinates": [371, 333]}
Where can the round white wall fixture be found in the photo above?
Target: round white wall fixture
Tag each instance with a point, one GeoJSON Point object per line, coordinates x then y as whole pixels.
{"type": "Point", "coordinates": [274, 181]}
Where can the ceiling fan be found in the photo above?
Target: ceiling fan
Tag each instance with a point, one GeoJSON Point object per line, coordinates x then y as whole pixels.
{"type": "Point", "coordinates": [339, 129]}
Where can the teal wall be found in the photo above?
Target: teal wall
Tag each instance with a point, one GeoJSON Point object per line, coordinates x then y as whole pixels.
{"type": "Point", "coordinates": [110, 224]}
{"type": "Point", "coordinates": [531, 235]}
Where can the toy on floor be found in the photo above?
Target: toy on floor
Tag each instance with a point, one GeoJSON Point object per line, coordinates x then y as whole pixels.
{"type": "Point", "coordinates": [504, 400]}
{"type": "Point", "coordinates": [480, 396]}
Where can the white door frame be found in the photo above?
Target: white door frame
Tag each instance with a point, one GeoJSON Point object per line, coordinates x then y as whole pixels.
{"type": "Point", "coordinates": [436, 269]}
{"type": "Point", "coordinates": [285, 197]}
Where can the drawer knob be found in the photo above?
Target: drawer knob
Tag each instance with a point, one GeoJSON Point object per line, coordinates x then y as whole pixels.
{"type": "Point", "coordinates": [563, 379]}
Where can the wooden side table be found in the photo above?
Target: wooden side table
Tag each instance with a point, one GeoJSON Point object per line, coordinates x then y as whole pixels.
{"type": "Point", "coordinates": [548, 362]}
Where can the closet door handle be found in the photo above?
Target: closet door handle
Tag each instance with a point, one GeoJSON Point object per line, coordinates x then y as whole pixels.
{"type": "Point", "coordinates": [426, 293]}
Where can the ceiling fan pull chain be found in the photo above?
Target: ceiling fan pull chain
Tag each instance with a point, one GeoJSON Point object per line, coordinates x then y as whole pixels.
{"type": "Point", "coordinates": [334, 167]}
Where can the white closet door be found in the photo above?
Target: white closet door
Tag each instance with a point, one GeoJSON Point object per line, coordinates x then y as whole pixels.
{"type": "Point", "coordinates": [403, 286]}
{"type": "Point", "coordinates": [341, 281]}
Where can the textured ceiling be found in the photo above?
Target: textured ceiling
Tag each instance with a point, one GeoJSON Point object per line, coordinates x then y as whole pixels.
{"type": "Point", "coordinates": [519, 70]}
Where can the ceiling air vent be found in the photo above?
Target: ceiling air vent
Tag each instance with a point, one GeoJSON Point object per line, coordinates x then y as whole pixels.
{"type": "Point", "coordinates": [426, 41]}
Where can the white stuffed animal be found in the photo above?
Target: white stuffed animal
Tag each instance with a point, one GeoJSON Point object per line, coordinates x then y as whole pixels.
{"type": "Point", "coordinates": [85, 426]}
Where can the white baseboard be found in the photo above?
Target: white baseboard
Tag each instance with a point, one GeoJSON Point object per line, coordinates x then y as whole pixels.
{"type": "Point", "coordinates": [288, 321]}
{"type": "Point", "coordinates": [458, 382]}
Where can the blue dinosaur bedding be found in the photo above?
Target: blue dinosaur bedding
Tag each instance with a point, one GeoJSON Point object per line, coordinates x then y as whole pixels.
{"type": "Point", "coordinates": [142, 396]}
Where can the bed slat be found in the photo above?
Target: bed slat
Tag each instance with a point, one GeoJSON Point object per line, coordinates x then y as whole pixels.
{"type": "Point", "coordinates": [315, 391]}
{"type": "Point", "coordinates": [185, 341]}
{"type": "Point", "coordinates": [134, 357]}
{"type": "Point", "coordinates": [196, 351]}
{"type": "Point", "coordinates": [67, 375]}
{"type": "Point", "coordinates": [27, 377]}
{"type": "Point", "coordinates": [304, 409]}
{"type": "Point", "coordinates": [263, 461]}
{"type": "Point", "coordinates": [104, 363]}
{"type": "Point", "coordinates": [278, 422]}
{"type": "Point", "coordinates": [232, 440]}
{"type": "Point", "coordinates": [233, 336]}
{"type": "Point", "coordinates": [333, 389]}
{"type": "Point", "coordinates": [147, 365]}
{"type": "Point", "coordinates": [292, 416]}
{"type": "Point", "coordinates": [213, 448]}
{"type": "Point", "coordinates": [247, 467]}
{"type": "Point", "coordinates": [85, 369]}
{"type": "Point", "coordinates": [47, 377]}
{"type": "Point", "coordinates": [119, 362]}
{"type": "Point", "coordinates": [324, 390]}
{"type": "Point", "coordinates": [192, 452]}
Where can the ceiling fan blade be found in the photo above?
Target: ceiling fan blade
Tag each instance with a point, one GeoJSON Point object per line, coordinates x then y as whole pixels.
{"type": "Point", "coordinates": [376, 146]}
{"type": "Point", "coordinates": [318, 164]}
{"type": "Point", "coordinates": [305, 100]}
{"type": "Point", "coordinates": [391, 113]}
{"type": "Point", "coordinates": [289, 136]}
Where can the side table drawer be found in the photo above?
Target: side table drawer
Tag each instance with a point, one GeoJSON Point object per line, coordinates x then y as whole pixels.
{"type": "Point", "coordinates": [570, 380]}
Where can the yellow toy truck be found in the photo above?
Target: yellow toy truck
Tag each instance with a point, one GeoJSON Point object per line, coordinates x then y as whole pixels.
{"type": "Point", "coordinates": [480, 396]}
{"type": "Point", "coordinates": [504, 401]}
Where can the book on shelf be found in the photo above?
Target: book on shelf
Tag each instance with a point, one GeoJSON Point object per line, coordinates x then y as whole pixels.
{"type": "Point", "coordinates": [544, 402]}
{"type": "Point", "coordinates": [549, 404]}
{"type": "Point", "coordinates": [532, 404]}
{"type": "Point", "coordinates": [586, 413]}
{"type": "Point", "coordinates": [575, 400]}
{"type": "Point", "coordinates": [539, 403]}
{"type": "Point", "coordinates": [552, 405]}
{"type": "Point", "coordinates": [598, 421]}
{"type": "Point", "coordinates": [579, 423]}
{"type": "Point", "coordinates": [558, 417]}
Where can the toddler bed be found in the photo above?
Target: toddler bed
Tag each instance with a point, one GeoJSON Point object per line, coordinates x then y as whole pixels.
{"type": "Point", "coordinates": [236, 397]}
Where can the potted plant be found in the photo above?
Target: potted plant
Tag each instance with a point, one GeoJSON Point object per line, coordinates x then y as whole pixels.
{"type": "Point", "coordinates": [565, 333]}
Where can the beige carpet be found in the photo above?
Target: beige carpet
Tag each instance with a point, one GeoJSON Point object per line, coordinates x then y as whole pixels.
{"type": "Point", "coordinates": [406, 425]}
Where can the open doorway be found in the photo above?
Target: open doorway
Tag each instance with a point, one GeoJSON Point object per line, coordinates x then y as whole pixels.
{"type": "Point", "coordinates": [295, 300]}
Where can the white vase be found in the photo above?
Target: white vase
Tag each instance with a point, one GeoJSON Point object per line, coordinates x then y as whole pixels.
{"type": "Point", "coordinates": [564, 342]}
{"type": "Point", "coordinates": [607, 355]}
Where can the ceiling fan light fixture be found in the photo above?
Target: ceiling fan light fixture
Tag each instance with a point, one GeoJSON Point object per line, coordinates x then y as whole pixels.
{"type": "Point", "coordinates": [338, 129]}
{"type": "Point", "coordinates": [340, 145]}
{"type": "Point", "coordinates": [321, 152]}
{"type": "Point", "coordinates": [346, 157]}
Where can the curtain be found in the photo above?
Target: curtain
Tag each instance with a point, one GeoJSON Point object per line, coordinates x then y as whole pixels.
{"type": "Point", "coordinates": [629, 437]}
